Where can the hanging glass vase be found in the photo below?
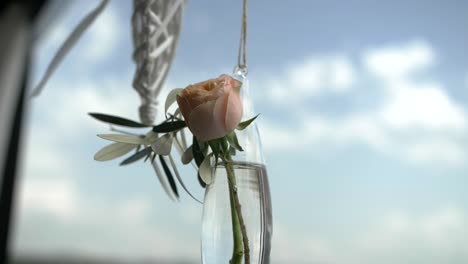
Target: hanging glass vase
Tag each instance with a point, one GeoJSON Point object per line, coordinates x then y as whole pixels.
{"type": "Point", "coordinates": [254, 196]}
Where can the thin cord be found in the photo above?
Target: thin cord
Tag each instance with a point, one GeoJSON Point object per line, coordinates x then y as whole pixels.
{"type": "Point", "coordinates": [242, 55]}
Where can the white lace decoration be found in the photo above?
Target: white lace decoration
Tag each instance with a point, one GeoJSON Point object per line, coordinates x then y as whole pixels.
{"type": "Point", "coordinates": [156, 28]}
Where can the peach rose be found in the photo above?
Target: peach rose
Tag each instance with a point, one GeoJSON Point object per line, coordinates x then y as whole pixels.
{"type": "Point", "coordinates": [213, 108]}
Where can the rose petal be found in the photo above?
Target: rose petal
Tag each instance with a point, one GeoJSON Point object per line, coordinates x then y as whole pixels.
{"type": "Point", "coordinates": [184, 107]}
{"type": "Point", "coordinates": [219, 111]}
{"type": "Point", "coordinates": [171, 98]}
{"type": "Point", "coordinates": [233, 112]}
{"type": "Point", "coordinates": [233, 83]}
{"type": "Point", "coordinates": [211, 108]}
{"type": "Point", "coordinates": [203, 124]}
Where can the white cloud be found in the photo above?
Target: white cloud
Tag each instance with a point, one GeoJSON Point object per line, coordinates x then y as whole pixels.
{"type": "Point", "coordinates": [439, 236]}
{"type": "Point", "coordinates": [315, 130]}
{"type": "Point", "coordinates": [399, 61]}
{"type": "Point", "coordinates": [293, 247]}
{"type": "Point", "coordinates": [56, 197]}
{"type": "Point", "coordinates": [103, 35]}
{"type": "Point", "coordinates": [436, 150]}
{"type": "Point", "coordinates": [311, 77]}
{"type": "Point", "coordinates": [316, 75]}
{"type": "Point", "coordinates": [416, 121]}
{"type": "Point", "coordinates": [425, 106]}
{"type": "Point", "coordinates": [368, 130]}
{"type": "Point", "coordinates": [66, 104]}
{"type": "Point", "coordinates": [342, 74]}
{"type": "Point", "coordinates": [95, 226]}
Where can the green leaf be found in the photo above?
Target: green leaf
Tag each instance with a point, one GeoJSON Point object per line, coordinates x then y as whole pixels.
{"type": "Point", "coordinates": [233, 141]}
{"type": "Point", "coordinates": [205, 170]}
{"type": "Point", "coordinates": [215, 146]}
{"type": "Point", "coordinates": [177, 112]}
{"type": "Point", "coordinates": [151, 137]}
{"type": "Point", "coordinates": [149, 156]}
{"type": "Point", "coordinates": [113, 151]}
{"type": "Point", "coordinates": [169, 176]}
{"type": "Point", "coordinates": [202, 184]}
{"type": "Point", "coordinates": [137, 156]}
{"type": "Point", "coordinates": [169, 126]}
{"type": "Point", "coordinates": [197, 152]}
{"type": "Point", "coordinates": [232, 151]}
{"type": "Point", "coordinates": [199, 157]}
{"type": "Point", "coordinates": [130, 139]}
{"type": "Point", "coordinates": [181, 182]}
{"type": "Point", "coordinates": [187, 156]}
{"type": "Point", "coordinates": [171, 98]}
{"type": "Point", "coordinates": [224, 145]}
{"type": "Point", "coordinates": [162, 179]}
{"type": "Point", "coordinates": [243, 125]}
{"type": "Point", "coordinates": [163, 145]}
{"type": "Point", "coordinates": [115, 120]}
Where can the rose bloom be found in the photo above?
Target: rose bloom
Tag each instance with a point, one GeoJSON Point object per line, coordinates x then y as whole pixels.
{"type": "Point", "coordinates": [213, 108]}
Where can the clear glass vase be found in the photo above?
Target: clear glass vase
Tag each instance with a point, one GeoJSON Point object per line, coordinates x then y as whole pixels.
{"type": "Point", "coordinates": [254, 196]}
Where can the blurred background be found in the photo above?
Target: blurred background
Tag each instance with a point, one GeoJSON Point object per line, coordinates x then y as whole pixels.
{"type": "Point", "coordinates": [364, 108]}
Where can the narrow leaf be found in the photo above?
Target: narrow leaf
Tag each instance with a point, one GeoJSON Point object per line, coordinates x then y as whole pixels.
{"type": "Point", "coordinates": [215, 148]}
{"type": "Point", "coordinates": [197, 152]}
{"type": "Point", "coordinates": [162, 180]}
{"type": "Point", "coordinates": [177, 112]}
{"type": "Point", "coordinates": [204, 147]}
{"type": "Point", "coordinates": [224, 145]}
{"type": "Point", "coordinates": [115, 120]}
{"type": "Point", "coordinates": [233, 141]}
{"type": "Point", "coordinates": [169, 126]}
{"type": "Point", "coordinates": [151, 137]}
{"type": "Point", "coordinates": [243, 125]}
{"type": "Point", "coordinates": [137, 156]}
{"type": "Point", "coordinates": [183, 138]}
{"type": "Point", "coordinates": [171, 98]}
{"type": "Point", "coordinates": [202, 184]}
{"type": "Point", "coordinates": [169, 176]}
{"type": "Point", "coordinates": [232, 151]}
{"type": "Point", "coordinates": [205, 170]}
{"type": "Point", "coordinates": [148, 156]}
{"type": "Point", "coordinates": [130, 139]}
{"type": "Point", "coordinates": [163, 145]}
{"type": "Point", "coordinates": [176, 172]}
{"type": "Point", "coordinates": [199, 157]}
{"type": "Point", "coordinates": [187, 156]}
{"type": "Point", "coordinates": [113, 151]}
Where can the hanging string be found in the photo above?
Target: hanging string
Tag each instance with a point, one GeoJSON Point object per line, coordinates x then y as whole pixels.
{"type": "Point", "coordinates": [242, 55]}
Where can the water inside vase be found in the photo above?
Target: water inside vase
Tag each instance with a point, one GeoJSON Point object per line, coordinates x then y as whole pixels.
{"type": "Point", "coordinates": [254, 196]}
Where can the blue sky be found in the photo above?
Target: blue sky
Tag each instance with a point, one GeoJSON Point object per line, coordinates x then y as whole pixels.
{"type": "Point", "coordinates": [364, 123]}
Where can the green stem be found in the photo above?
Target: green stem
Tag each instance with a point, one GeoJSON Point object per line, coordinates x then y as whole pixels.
{"type": "Point", "coordinates": [241, 241]}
